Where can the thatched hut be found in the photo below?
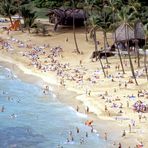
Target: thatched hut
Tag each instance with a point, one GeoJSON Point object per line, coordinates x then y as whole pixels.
{"type": "Point", "coordinates": [134, 35]}
{"type": "Point", "coordinates": [63, 16]}
{"type": "Point", "coordinates": [124, 32]}
{"type": "Point", "coordinates": [139, 33]}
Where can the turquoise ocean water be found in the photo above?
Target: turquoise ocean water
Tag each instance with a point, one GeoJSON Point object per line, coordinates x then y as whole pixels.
{"type": "Point", "coordinates": [34, 120]}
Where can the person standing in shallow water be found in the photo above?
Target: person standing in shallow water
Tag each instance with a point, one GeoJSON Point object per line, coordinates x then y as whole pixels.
{"type": "Point", "coordinates": [71, 136]}
{"type": "Point", "coordinates": [87, 109]}
{"type": "Point", "coordinates": [105, 136]}
{"type": "Point", "coordinates": [92, 129]}
{"type": "Point", "coordinates": [2, 109]}
{"type": "Point", "coordinates": [77, 109]}
{"type": "Point", "coordinates": [77, 129]}
{"type": "Point", "coordinates": [46, 90]}
{"type": "Point", "coordinates": [119, 145]}
{"type": "Point", "coordinates": [86, 134]}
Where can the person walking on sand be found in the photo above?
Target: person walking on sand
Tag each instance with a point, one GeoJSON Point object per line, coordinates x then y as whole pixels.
{"type": "Point", "coordinates": [80, 62]}
{"type": "Point", "coordinates": [106, 108]}
{"type": "Point", "coordinates": [125, 84]}
{"type": "Point", "coordinates": [89, 93]}
{"type": "Point", "coordinates": [77, 108]}
{"type": "Point", "coordinates": [87, 109]}
{"type": "Point", "coordinates": [140, 116]}
{"type": "Point", "coordinates": [105, 136]}
{"type": "Point", "coordinates": [127, 104]}
{"type": "Point", "coordinates": [119, 84]}
{"type": "Point", "coordinates": [119, 145]}
{"type": "Point", "coordinates": [130, 128]}
{"type": "Point", "coordinates": [124, 134]}
{"type": "Point", "coordinates": [66, 39]}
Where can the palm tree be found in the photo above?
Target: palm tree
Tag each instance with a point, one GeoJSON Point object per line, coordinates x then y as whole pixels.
{"type": "Point", "coordinates": [125, 15]}
{"type": "Point", "coordinates": [129, 55]}
{"type": "Point", "coordinates": [103, 27]}
{"type": "Point", "coordinates": [90, 8]}
{"type": "Point", "coordinates": [28, 16]}
{"type": "Point", "coordinates": [74, 32]}
{"type": "Point", "coordinates": [113, 5]}
{"type": "Point", "coordinates": [103, 22]}
{"type": "Point", "coordinates": [135, 5]}
{"type": "Point", "coordinates": [93, 34]}
{"type": "Point", "coordinates": [30, 20]}
{"type": "Point", "coordinates": [19, 4]}
{"type": "Point", "coordinates": [7, 9]}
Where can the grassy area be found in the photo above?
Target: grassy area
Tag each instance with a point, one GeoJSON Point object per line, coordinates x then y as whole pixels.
{"type": "Point", "coordinates": [41, 12]}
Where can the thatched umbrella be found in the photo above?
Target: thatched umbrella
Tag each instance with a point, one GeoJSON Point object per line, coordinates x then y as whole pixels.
{"type": "Point", "coordinates": [139, 34]}
{"type": "Point", "coordinates": [139, 30]}
{"type": "Point", "coordinates": [121, 33]}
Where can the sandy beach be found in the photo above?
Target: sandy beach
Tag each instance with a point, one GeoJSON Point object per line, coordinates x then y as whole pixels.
{"type": "Point", "coordinates": [79, 82]}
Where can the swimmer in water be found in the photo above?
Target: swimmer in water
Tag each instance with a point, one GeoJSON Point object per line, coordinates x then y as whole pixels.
{"type": "Point", "coordinates": [77, 129]}
{"type": "Point", "coordinates": [46, 90]}
{"type": "Point", "coordinates": [86, 134]}
{"type": "Point", "coordinates": [2, 109]}
{"type": "Point", "coordinates": [71, 136]}
{"type": "Point", "coordinates": [9, 98]}
{"type": "Point", "coordinates": [13, 116]}
{"type": "Point", "coordinates": [67, 140]}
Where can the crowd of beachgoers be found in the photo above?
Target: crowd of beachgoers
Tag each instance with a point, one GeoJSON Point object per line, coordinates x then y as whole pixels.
{"type": "Point", "coordinates": [116, 102]}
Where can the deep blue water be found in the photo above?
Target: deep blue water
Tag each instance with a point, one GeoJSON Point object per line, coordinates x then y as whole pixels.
{"type": "Point", "coordinates": [34, 120]}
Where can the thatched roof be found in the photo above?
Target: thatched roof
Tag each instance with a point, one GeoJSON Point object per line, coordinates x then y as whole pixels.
{"type": "Point", "coordinates": [61, 12]}
{"type": "Point", "coordinates": [78, 13]}
{"type": "Point", "coordinates": [121, 34]}
{"type": "Point", "coordinates": [58, 12]}
{"type": "Point", "coordinates": [136, 33]}
{"type": "Point", "coordinates": [139, 31]}
{"type": "Point", "coordinates": [61, 16]}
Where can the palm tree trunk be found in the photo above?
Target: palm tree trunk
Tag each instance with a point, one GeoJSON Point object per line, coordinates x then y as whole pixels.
{"type": "Point", "coordinates": [118, 47]}
{"type": "Point", "coordinates": [74, 33]}
{"type": "Point", "coordinates": [86, 37]}
{"type": "Point", "coordinates": [96, 49]}
{"type": "Point", "coordinates": [10, 20]}
{"type": "Point", "coordinates": [95, 41]}
{"type": "Point", "coordinates": [145, 64]}
{"type": "Point", "coordinates": [85, 23]}
{"type": "Point", "coordinates": [105, 39]}
{"type": "Point", "coordinates": [128, 49]}
{"type": "Point", "coordinates": [19, 13]}
{"type": "Point", "coordinates": [137, 51]}
{"type": "Point", "coordinates": [145, 60]}
{"type": "Point", "coordinates": [119, 54]}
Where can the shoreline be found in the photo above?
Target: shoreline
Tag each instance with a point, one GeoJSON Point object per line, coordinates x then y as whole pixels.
{"type": "Point", "coordinates": [28, 76]}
